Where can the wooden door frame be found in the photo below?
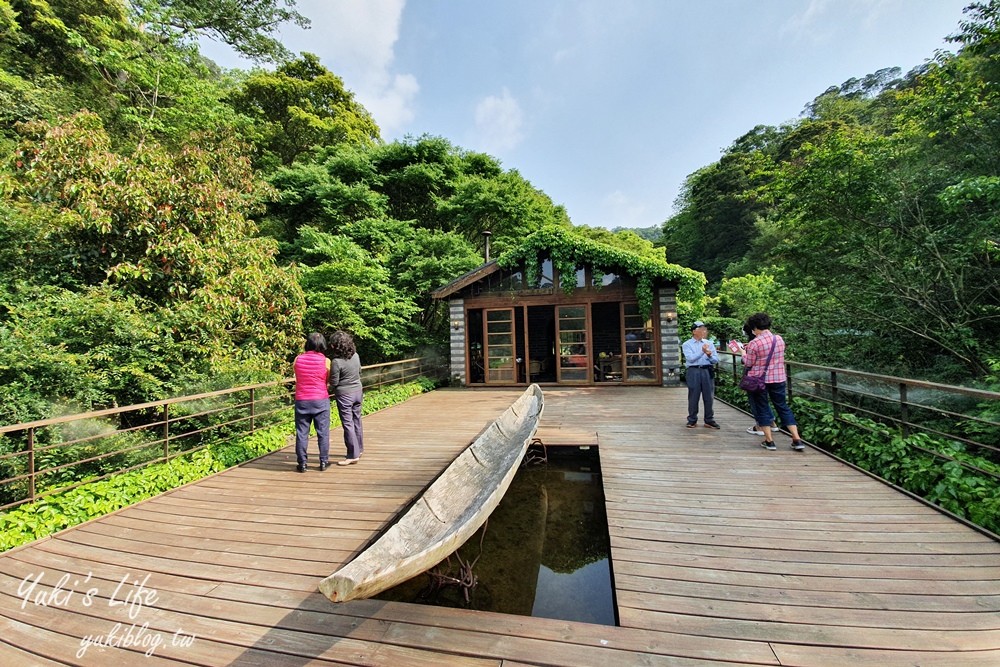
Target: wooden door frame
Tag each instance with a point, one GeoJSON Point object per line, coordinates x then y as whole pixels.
{"type": "Point", "coordinates": [486, 345]}
{"type": "Point", "coordinates": [588, 333]}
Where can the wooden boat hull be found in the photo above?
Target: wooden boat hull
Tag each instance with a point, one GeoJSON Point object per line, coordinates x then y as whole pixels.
{"type": "Point", "coordinates": [450, 510]}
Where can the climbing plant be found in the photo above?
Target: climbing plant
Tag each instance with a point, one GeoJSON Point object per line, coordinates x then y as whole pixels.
{"type": "Point", "coordinates": [568, 251]}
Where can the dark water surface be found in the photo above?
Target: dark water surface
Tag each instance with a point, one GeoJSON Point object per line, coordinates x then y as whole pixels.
{"type": "Point", "coordinates": [545, 551]}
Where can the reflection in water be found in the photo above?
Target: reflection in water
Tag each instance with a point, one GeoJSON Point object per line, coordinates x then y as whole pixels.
{"type": "Point", "coordinates": [545, 552]}
{"type": "Point", "coordinates": [583, 595]}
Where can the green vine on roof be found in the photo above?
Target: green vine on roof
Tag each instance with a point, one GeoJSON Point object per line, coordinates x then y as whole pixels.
{"type": "Point", "coordinates": [568, 251]}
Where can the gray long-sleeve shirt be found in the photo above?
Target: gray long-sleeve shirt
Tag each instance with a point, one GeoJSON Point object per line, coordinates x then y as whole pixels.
{"type": "Point", "coordinates": [345, 375]}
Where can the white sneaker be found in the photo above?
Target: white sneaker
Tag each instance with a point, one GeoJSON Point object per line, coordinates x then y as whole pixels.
{"type": "Point", "coordinates": [753, 430]}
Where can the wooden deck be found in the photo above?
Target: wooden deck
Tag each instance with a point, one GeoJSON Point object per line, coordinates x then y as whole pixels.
{"type": "Point", "coordinates": [722, 553]}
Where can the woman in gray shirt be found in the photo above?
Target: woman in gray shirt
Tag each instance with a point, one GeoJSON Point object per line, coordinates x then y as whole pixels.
{"type": "Point", "coordinates": [345, 382]}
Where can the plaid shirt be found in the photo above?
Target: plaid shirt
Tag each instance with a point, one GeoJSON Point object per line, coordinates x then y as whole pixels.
{"type": "Point", "coordinates": [757, 351]}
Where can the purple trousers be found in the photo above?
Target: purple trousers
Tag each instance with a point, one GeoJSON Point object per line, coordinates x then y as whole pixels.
{"type": "Point", "coordinates": [309, 413]}
{"type": "Point", "coordinates": [349, 409]}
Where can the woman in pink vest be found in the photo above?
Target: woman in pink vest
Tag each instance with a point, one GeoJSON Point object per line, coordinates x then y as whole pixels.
{"type": "Point", "coordinates": [312, 400]}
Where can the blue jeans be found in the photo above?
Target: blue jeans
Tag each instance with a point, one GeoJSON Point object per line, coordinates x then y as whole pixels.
{"type": "Point", "coordinates": [349, 409]}
{"type": "Point", "coordinates": [308, 413]}
{"type": "Point", "coordinates": [762, 410]}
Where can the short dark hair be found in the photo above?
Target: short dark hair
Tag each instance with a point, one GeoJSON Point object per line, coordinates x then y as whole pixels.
{"type": "Point", "coordinates": [759, 321]}
{"type": "Point", "coordinates": [342, 345]}
{"type": "Point", "coordinates": [315, 342]}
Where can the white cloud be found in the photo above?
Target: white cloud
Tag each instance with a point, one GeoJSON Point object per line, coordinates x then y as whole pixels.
{"type": "Point", "coordinates": [499, 122]}
{"type": "Point", "coordinates": [392, 104]}
{"type": "Point", "coordinates": [356, 40]}
{"type": "Point", "coordinates": [806, 20]}
{"type": "Point", "coordinates": [821, 17]}
{"type": "Point", "coordinates": [623, 211]}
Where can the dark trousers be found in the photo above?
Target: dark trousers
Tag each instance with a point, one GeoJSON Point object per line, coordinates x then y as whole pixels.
{"type": "Point", "coordinates": [308, 413]}
{"type": "Point", "coordinates": [701, 388]}
{"type": "Point", "coordinates": [762, 411]}
{"type": "Point", "coordinates": [349, 409]}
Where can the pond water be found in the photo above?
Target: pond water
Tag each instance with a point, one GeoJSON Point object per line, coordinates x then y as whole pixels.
{"type": "Point", "coordinates": [545, 550]}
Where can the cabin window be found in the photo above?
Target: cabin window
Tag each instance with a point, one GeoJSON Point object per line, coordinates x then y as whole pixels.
{"type": "Point", "coordinates": [505, 281]}
{"type": "Point", "coordinates": [608, 279]}
{"type": "Point", "coordinates": [545, 274]}
{"type": "Point", "coordinates": [578, 279]}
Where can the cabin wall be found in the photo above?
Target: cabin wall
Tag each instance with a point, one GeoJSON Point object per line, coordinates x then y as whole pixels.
{"type": "Point", "coordinates": [670, 344]}
{"type": "Point", "coordinates": [458, 362]}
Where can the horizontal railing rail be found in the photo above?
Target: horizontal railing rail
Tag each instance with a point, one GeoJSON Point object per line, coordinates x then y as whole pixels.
{"type": "Point", "coordinates": [61, 453]}
{"type": "Point", "coordinates": [909, 405]}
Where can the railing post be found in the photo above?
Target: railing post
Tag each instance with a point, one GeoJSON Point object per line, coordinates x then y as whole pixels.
{"type": "Point", "coordinates": [834, 395]}
{"type": "Point", "coordinates": [31, 464]}
{"type": "Point", "coordinates": [788, 380]}
{"type": "Point", "coordinates": [252, 411]}
{"type": "Point", "coordinates": [166, 431]}
{"type": "Point", "coordinates": [904, 413]}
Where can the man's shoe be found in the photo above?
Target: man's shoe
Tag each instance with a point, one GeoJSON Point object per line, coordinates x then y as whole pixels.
{"type": "Point", "coordinates": [797, 445]}
{"type": "Point", "coordinates": [300, 467]}
{"type": "Point", "coordinates": [753, 430]}
{"type": "Point", "coordinates": [769, 445]}
{"type": "Point", "coordinates": [322, 466]}
{"type": "Point", "coordinates": [347, 462]}
{"type": "Point", "coordinates": [712, 425]}
{"type": "Point", "coordinates": [692, 425]}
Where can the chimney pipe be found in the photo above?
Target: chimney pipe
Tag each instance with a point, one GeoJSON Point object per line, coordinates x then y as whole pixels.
{"type": "Point", "coordinates": [486, 235]}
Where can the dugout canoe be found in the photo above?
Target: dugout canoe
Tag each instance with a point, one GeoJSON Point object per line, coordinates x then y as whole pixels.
{"type": "Point", "coordinates": [448, 512]}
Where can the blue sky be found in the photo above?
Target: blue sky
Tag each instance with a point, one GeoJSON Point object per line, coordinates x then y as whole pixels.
{"type": "Point", "coordinates": [606, 105]}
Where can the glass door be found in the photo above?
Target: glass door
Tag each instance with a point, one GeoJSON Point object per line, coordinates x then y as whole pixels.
{"type": "Point", "coordinates": [500, 358]}
{"type": "Point", "coordinates": [574, 349]}
{"type": "Point", "coordinates": [640, 358]}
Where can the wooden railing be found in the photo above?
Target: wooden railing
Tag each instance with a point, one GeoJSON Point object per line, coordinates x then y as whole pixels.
{"type": "Point", "coordinates": [40, 457]}
{"type": "Point", "coordinates": [912, 406]}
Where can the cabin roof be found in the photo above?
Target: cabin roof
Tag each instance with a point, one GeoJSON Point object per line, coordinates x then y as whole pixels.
{"type": "Point", "coordinates": [466, 279]}
{"type": "Point", "coordinates": [580, 250]}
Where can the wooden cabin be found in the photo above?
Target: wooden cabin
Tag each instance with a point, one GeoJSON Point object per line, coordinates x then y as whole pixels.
{"type": "Point", "coordinates": [585, 328]}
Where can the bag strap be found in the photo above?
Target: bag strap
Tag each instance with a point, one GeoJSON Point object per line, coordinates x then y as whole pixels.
{"type": "Point", "coordinates": [774, 344]}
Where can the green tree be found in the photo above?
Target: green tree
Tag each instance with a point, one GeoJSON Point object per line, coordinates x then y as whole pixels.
{"type": "Point", "coordinates": [245, 25]}
{"type": "Point", "coordinates": [312, 194]}
{"type": "Point", "coordinates": [346, 288]}
{"type": "Point", "coordinates": [300, 107]}
{"type": "Point", "coordinates": [626, 239]}
{"type": "Point", "coordinates": [718, 206]}
{"type": "Point", "coordinates": [743, 296]}
{"type": "Point", "coordinates": [85, 350]}
{"type": "Point", "coordinates": [170, 228]}
{"type": "Point", "coordinates": [424, 260]}
{"type": "Point", "coordinates": [874, 228]}
{"type": "Point", "coordinates": [507, 205]}
{"type": "Point", "coordinates": [62, 56]}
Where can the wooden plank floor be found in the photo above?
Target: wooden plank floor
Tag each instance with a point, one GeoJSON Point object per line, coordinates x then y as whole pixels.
{"type": "Point", "coordinates": [723, 553]}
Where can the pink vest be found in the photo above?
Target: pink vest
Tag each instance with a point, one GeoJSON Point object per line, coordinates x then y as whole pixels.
{"type": "Point", "coordinates": [311, 376]}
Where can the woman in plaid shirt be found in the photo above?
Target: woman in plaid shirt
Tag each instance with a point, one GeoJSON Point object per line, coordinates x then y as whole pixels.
{"type": "Point", "coordinates": [755, 355]}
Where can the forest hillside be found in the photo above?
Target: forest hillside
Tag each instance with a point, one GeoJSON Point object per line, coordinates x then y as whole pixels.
{"type": "Point", "coordinates": [167, 227]}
